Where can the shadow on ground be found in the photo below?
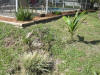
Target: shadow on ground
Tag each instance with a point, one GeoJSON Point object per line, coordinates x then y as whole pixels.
{"type": "Point", "coordinates": [94, 42]}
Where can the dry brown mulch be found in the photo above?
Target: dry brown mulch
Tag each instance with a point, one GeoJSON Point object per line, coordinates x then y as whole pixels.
{"type": "Point", "coordinates": [37, 18]}
{"type": "Point", "coordinates": [14, 19]}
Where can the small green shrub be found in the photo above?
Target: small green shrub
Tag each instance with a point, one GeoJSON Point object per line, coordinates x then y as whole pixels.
{"type": "Point", "coordinates": [56, 13]}
{"type": "Point", "coordinates": [73, 24]}
{"type": "Point", "coordinates": [23, 15]}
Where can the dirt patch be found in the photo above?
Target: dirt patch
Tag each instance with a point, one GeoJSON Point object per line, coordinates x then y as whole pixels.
{"type": "Point", "coordinates": [9, 41]}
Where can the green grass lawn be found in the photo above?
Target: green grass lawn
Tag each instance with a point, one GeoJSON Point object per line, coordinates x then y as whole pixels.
{"type": "Point", "coordinates": [78, 58]}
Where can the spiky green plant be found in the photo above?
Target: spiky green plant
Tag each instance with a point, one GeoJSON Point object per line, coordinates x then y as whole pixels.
{"type": "Point", "coordinates": [37, 63]}
{"type": "Point", "coordinates": [74, 23]}
{"type": "Point", "coordinates": [24, 14]}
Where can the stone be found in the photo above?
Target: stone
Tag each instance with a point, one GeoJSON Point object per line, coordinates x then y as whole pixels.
{"type": "Point", "coordinates": [29, 34]}
{"type": "Point", "coordinates": [37, 43]}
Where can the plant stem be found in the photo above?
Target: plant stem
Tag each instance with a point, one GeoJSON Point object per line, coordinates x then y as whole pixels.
{"type": "Point", "coordinates": [72, 38]}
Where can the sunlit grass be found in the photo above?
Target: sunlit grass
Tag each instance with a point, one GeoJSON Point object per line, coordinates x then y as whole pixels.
{"type": "Point", "coordinates": [78, 58]}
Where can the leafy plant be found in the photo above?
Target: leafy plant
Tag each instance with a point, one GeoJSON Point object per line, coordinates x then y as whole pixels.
{"type": "Point", "coordinates": [37, 63]}
{"type": "Point", "coordinates": [56, 13]}
{"type": "Point", "coordinates": [74, 23]}
{"type": "Point", "coordinates": [23, 14]}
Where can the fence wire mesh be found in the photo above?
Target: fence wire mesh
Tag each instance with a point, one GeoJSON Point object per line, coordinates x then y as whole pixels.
{"type": "Point", "coordinates": [7, 7]}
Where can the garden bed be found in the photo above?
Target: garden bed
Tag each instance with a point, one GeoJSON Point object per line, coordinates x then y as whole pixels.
{"type": "Point", "coordinates": [36, 19]}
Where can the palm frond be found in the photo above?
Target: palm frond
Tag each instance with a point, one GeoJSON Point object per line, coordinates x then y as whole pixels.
{"type": "Point", "coordinates": [73, 24]}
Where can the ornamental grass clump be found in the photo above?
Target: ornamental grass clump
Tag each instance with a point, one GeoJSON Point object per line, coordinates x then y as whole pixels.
{"type": "Point", "coordinates": [24, 14]}
{"type": "Point", "coordinates": [37, 63]}
{"type": "Point", "coordinates": [73, 24]}
{"type": "Point", "coordinates": [56, 13]}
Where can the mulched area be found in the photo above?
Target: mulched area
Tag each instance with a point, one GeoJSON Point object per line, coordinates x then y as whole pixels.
{"type": "Point", "coordinates": [37, 18]}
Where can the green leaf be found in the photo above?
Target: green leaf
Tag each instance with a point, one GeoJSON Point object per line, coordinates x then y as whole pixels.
{"type": "Point", "coordinates": [73, 24]}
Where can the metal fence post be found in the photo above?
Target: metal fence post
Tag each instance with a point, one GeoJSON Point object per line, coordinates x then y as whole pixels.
{"type": "Point", "coordinates": [86, 4]}
{"type": "Point", "coordinates": [16, 5]}
{"type": "Point", "coordinates": [46, 6]}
